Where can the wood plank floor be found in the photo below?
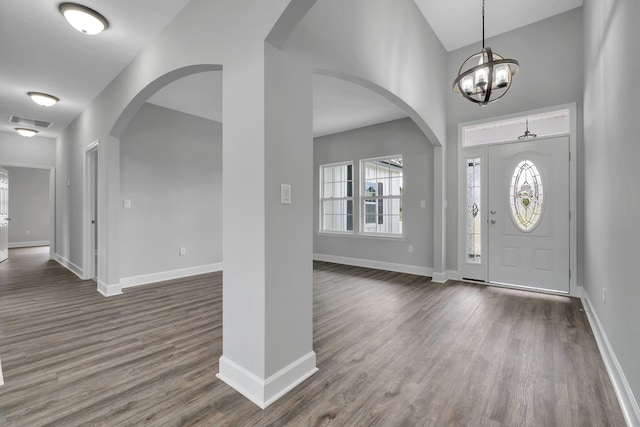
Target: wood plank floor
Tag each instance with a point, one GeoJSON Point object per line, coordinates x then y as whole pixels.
{"type": "Point", "coordinates": [393, 350]}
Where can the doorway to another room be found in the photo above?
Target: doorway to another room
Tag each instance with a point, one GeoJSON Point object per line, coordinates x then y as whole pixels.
{"type": "Point", "coordinates": [26, 212]}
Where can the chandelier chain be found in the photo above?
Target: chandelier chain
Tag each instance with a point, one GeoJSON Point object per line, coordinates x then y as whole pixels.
{"type": "Point", "coordinates": [482, 24]}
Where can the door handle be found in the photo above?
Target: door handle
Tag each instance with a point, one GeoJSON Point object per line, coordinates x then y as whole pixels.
{"type": "Point", "coordinates": [493, 221]}
{"type": "Point", "coordinates": [493, 212]}
{"type": "Point", "coordinates": [8, 219]}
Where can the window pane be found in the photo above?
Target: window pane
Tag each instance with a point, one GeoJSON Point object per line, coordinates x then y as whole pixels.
{"type": "Point", "coordinates": [382, 195]}
{"type": "Point", "coordinates": [526, 196]}
{"type": "Point", "coordinates": [474, 213]}
{"type": "Point", "coordinates": [336, 198]}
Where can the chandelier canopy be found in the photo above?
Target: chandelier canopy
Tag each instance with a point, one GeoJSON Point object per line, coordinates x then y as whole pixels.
{"type": "Point", "coordinates": [485, 76]}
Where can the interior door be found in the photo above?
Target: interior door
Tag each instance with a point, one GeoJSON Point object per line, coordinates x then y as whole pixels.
{"type": "Point", "coordinates": [4, 214]}
{"type": "Point", "coordinates": [529, 214]}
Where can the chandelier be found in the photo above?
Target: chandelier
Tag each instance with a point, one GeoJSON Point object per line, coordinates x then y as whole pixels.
{"type": "Point", "coordinates": [485, 76]}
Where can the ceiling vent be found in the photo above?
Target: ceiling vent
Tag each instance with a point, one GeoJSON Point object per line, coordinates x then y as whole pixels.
{"type": "Point", "coordinates": [29, 122]}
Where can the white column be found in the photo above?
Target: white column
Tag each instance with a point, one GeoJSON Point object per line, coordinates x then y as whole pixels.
{"type": "Point", "coordinates": [108, 277]}
{"type": "Point", "coordinates": [267, 288]}
{"type": "Point", "coordinates": [439, 214]}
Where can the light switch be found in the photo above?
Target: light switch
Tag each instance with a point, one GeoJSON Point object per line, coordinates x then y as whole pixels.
{"type": "Point", "coordinates": [126, 203]}
{"type": "Point", "coordinates": [423, 204]}
{"type": "Point", "coordinates": [285, 194]}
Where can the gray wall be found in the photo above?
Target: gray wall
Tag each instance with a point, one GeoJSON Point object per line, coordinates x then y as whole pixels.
{"type": "Point", "coordinates": [29, 206]}
{"type": "Point", "coordinates": [34, 151]}
{"type": "Point", "coordinates": [550, 57]}
{"type": "Point", "coordinates": [171, 170]}
{"type": "Point", "coordinates": [395, 137]}
{"type": "Point", "coordinates": [611, 153]}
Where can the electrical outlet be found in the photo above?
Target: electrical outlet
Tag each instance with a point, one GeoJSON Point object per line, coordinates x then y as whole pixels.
{"type": "Point", "coordinates": [604, 295]}
{"type": "Point", "coordinates": [410, 249]}
{"type": "Point", "coordinates": [183, 251]}
{"type": "Point", "coordinates": [27, 232]}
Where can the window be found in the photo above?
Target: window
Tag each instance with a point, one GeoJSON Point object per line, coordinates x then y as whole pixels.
{"type": "Point", "coordinates": [526, 196]}
{"type": "Point", "coordinates": [336, 197]}
{"type": "Point", "coordinates": [474, 213]}
{"type": "Point", "coordinates": [381, 198]}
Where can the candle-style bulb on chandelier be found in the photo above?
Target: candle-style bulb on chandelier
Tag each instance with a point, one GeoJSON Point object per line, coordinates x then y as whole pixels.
{"type": "Point", "coordinates": [485, 76]}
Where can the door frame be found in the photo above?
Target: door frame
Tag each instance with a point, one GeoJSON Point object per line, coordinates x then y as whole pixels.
{"type": "Point", "coordinates": [89, 204]}
{"type": "Point", "coordinates": [52, 200]}
{"type": "Point", "coordinates": [574, 288]}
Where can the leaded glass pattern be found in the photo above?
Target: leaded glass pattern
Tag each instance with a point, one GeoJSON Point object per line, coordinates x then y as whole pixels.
{"type": "Point", "coordinates": [474, 212]}
{"type": "Point", "coordinates": [526, 196]}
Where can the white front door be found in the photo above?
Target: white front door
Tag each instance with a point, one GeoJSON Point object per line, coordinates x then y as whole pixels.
{"type": "Point", "coordinates": [528, 214]}
{"type": "Point", "coordinates": [4, 214]}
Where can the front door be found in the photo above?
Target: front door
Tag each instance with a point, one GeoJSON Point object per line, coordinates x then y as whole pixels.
{"type": "Point", "coordinates": [528, 216]}
{"type": "Point", "coordinates": [4, 214]}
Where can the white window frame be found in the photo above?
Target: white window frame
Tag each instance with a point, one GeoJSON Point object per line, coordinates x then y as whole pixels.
{"type": "Point", "coordinates": [323, 198]}
{"type": "Point", "coordinates": [380, 199]}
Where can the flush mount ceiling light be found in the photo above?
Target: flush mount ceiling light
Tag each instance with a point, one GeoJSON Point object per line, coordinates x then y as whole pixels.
{"type": "Point", "coordinates": [485, 76]}
{"type": "Point", "coordinates": [43, 99]}
{"type": "Point", "coordinates": [26, 132]}
{"type": "Point", "coordinates": [83, 19]}
{"type": "Point", "coordinates": [527, 134]}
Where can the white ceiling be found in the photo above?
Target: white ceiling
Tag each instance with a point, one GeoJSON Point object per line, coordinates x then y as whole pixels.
{"type": "Point", "coordinates": [39, 51]}
{"type": "Point", "coordinates": [458, 23]}
{"type": "Point", "coordinates": [339, 106]}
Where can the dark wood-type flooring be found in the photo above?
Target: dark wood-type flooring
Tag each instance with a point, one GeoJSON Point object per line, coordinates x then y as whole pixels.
{"type": "Point", "coordinates": [393, 350]}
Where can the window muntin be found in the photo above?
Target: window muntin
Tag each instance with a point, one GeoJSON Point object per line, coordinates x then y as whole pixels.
{"type": "Point", "coordinates": [526, 196]}
{"type": "Point", "coordinates": [474, 212]}
{"type": "Point", "coordinates": [336, 197]}
{"type": "Point", "coordinates": [381, 197]}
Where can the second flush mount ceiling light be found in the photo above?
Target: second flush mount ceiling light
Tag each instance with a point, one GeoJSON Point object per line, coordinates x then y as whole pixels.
{"type": "Point", "coordinates": [83, 19]}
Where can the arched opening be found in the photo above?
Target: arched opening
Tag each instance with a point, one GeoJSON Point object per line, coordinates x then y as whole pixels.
{"type": "Point", "coordinates": [374, 177]}
{"type": "Point", "coordinates": [109, 197]}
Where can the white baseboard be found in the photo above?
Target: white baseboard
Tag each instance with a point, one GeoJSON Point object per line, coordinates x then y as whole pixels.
{"type": "Point", "coordinates": [1, 377]}
{"type": "Point", "coordinates": [439, 277]}
{"type": "Point", "coordinates": [264, 392]}
{"type": "Point", "coordinates": [109, 290]}
{"type": "Point", "coordinates": [68, 265]}
{"type": "Point", "coordinates": [378, 265]}
{"type": "Point", "coordinates": [627, 401]}
{"type": "Point", "coordinates": [13, 245]}
{"type": "Point", "coordinates": [128, 282]}
{"type": "Point", "coordinates": [454, 275]}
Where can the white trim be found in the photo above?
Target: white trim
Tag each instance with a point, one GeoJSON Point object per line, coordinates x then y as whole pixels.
{"type": "Point", "coordinates": [68, 265]}
{"type": "Point", "coordinates": [1, 377]}
{"type": "Point", "coordinates": [378, 265]}
{"type": "Point", "coordinates": [628, 403]}
{"type": "Point", "coordinates": [437, 277]}
{"type": "Point", "coordinates": [28, 244]}
{"type": "Point", "coordinates": [143, 279]}
{"type": "Point", "coordinates": [89, 194]}
{"type": "Point", "coordinates": [454, 275]}
{"type": "Point", "coordinates": [109, 290]}
{"type": "Point", "coordinates": [264, 392]}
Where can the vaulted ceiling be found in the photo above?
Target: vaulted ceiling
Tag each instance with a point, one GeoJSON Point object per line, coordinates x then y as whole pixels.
{"type": "Point", "coordinates": [41, 52]}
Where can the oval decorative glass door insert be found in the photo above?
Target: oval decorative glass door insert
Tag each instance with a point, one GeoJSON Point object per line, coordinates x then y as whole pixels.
{"type": "Point", "coordinates": [526, 196]}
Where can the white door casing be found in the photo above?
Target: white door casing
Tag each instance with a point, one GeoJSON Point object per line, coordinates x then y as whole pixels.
{"type": "Point", "coordinates": [4, 214]}
{"type": "Point", "coordinates": [538, 257]}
